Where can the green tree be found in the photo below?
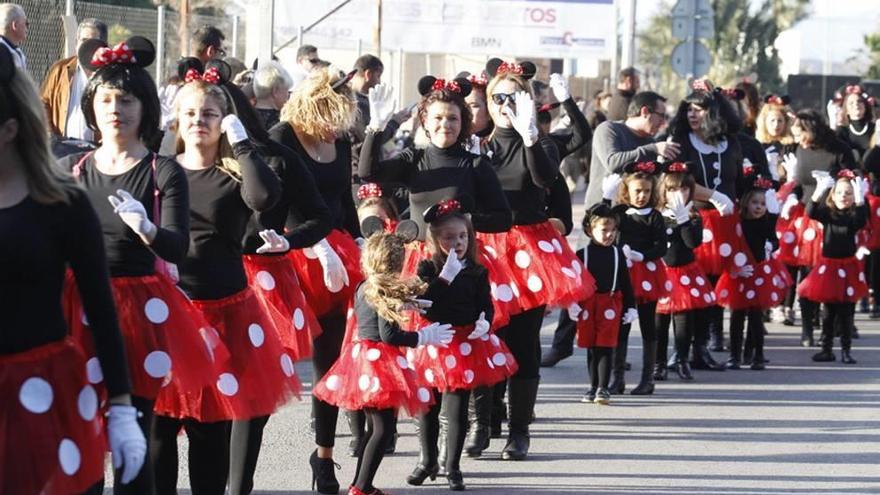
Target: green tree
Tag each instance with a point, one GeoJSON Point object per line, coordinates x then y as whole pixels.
{"type": "Point", "coordinates": [872, 51]}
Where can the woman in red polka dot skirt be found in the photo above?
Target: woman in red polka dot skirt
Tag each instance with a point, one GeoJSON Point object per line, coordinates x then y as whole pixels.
{"type": "Point", "coordinates": [838, 280]}
{"type": "Point", "coordinates": [142, 201]}
{"type": "Point", "coordinates": [458, 288]}
{"type": "Point", "coordinates": [688, 287]}
{"type": "Point", "coordinates": [599, 318]}
{"type": "Point", "coordinates": [762, 283]}
{"type": "Point", "coordinates": [378, 378]}
{"type": "Point", "coordinates": [53, 439]}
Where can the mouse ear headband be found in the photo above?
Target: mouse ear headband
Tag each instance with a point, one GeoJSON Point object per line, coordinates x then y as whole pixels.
{"type": "Point", "coordinates": [406, 229]}
{"type": "Point", "coordinates": [496, 66]}
{"type": "Point", "coordinates": [459, 85]}
{"type": "Point", "coordinates": [647, 167]}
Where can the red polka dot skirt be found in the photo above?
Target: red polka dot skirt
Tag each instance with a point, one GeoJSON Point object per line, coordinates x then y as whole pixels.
{"type": "Point", "coordinates": [648, 280]}
{"type": "Point", "coordinates": [872, 241]}
{"type": "Point", "coordinates": [599, 323]}
{"type": "Point", "coordinates": [765, 289]}
{"type": "Point", "coordinates": [311, 275]}
{"type": "Point", "coordinates": [724, 245]}
{"type": "Point", "coordinates": [835, 280]}
{"type": "Point", "coordinates": [788, 236]}
{"type": "Point", "coordinates": [688, 288]}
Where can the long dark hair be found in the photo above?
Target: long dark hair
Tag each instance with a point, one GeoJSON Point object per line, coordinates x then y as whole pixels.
{"type": "Point", "coordinates": [811, 122]}
{"type": "Point", "coordinates": [720, 121]}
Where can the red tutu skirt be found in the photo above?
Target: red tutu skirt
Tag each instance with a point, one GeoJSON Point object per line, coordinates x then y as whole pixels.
{"type": "Point", "coordinates": [765, 289]}
{"type": "Point", "coordinates": [873, 230]}
{"type": "Point", "coordinates": [808, 233]}
{"type": "Point", "coordinates": [464, 364]}
{"type": "Point", "coordinates": [723, 243]}
{"type": "Point", "coordinates": [162, 331]}
{"type": "Point", "coordinates": [788, 237]}
{"type": "Point", "coordinates": [374, 375]}
{"type": "Point", "coordinates": [259, 376]}
{"type": "Point", "coordinates": [835, 280]}
{"type": "Point", "coordinates": [599, 322]}
{"type": "Point", "coordinates": [688, 288]}
{"type": "Point", "coordinates": [273, 280]}
{"type": "Point", "coordinates": [648, 280]}
{"type": "Point", "coordinates": [311, 275]}
{"type": "Point", "coordinates": [51, 434]}
{"type": "Point", "coordinates": [545, 270]}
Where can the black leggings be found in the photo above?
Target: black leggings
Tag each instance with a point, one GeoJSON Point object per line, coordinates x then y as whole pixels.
{"type": "Point", "coordinates": [791, 293]}
{"type": "Point", "coordinates": [647, 323]}
{"type": "Point", "coordinates": [380, 429]}
{"type": "Point", "coordinates": [873, 266]}
{"type": "Point", "coordinates": [683, 326]}
{"type": "Point", "coordinates": [838, 320]}
{"type": "Point", "coordinates": [599, 364]}
{"type": "Point", "coordinates": [208, 455]}
{"type": "Point", "coordinates": [326, 351]}
{"type": "Point", "coordinates": [754, 335]}
{"type": "Point", "coordinates": [523, 337]}
{"type": "Point", "coordinates": [245, 441]}
{"type": "Point", "coordinates": [454, 405]}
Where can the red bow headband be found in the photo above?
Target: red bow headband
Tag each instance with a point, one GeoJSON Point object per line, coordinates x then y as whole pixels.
{"type": "Point", "coordinates": [854, 89]}
{"type": "Point", "coordinates": [748, 170]}
{"type": "Point", "coordinates": [480, 80]}
{"type": "Point", "coordinates": [775, 100]}
{"type": "Point", "coordinates": [700, 85]}
{"type": "Point", "coordinates": [441, 84]}
{"type": "Point", "coordinates": [448, 206]}
{"type": "Point", "coordinates": [119, 54]}
{"type": "Point", "coordinates": [512, 68]}
{"type": "Point", "coordinates": [369, 190]}
{"type": "Point", "coordinates": [676, 167]}
{"type": "Point", "coordinates": [846, 174]}
{"type": "Point", "coordinates": [763, 183]}
{"type": "Point", "coordinates": [211, 76]}
{"type": "Point", "coordinates": [646, 167]}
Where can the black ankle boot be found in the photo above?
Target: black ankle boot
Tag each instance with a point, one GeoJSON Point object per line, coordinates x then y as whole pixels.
{"type": "Point", "coordinates": [660, 372]}
{"type": "Point", "coordinates": [523, 392]}
{"type": "Point", "coordinates": [323, 474]}
{"type": "Point", "coordinates": [618, 370]}
{"type": "Point", "coordinates": [455, 480]}
{"type": "Point", "coordinates": [421, 473]}
{"type": "Point", "coordinates": [703, 360]}
{"type": "Point", "coordinates": [480, 411]}
{"type": "Point", "coordinates": [649, 358]}
{"type": "Point", "coordinates": [824, 356]}
{"type": "Point", "coordinates": [846, 357]}
{"type": "Point", "coordinates": [683, 370]}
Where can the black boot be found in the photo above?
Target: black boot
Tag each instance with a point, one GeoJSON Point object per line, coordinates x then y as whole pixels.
{"type": "Point", "coordinates": [846, 357]}
{"type": "Point", "coordinates": [441, 443]}
{"type": "Point", "coordinates": [323, 474]}
{"type": "Point", "coordinates": [356, 423]}
{"type": "Point", "coordinates": [499, 410]}
{"type": "Point", "coordinates": [716, 329]}
{"type": "Point", "coordinates": [736, 343]}
{"type": "Point", "coordinates": [523, 392]}
{"type": "Point", "coordinates": [703, 359]}
{"type": "Point", "coordinates": [649, 356]}
{"type": "Point", "coordinates": [618, 370]}
{"type": "Point", "coordinates": [808, 313]}
{"type": "Point", "coordinates": [683, 370]}
{"type": "Point", "coordinates": [480, 412]}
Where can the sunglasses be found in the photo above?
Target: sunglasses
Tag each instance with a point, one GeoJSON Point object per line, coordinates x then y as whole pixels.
{"type": "Point", "coordinates": [500, 98]}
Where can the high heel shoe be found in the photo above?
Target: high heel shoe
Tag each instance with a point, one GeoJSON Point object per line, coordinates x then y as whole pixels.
{"type": "Point", "coordinates": [421, 473]}
{"type": "Point", "coordinates": [456, 480]}
{"type": "Point", "coordinates": [684, 371]}
{"type": "Point", "coordinates": [323, 475]}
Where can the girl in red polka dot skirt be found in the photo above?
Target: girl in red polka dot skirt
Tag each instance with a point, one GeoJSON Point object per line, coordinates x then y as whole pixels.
{"type": "Point", "coordinates": [458, 288]}
{"type": "Point", "coordinates": [599, 318]}
{"type": "Point", "coordinates": [838, 279]}
{"type": "Point", "coordinates": [761, 283]}
{"type": "Point", "coordinates": [378, 378]}
{"type": "Point", "coordinates": [689, 288]}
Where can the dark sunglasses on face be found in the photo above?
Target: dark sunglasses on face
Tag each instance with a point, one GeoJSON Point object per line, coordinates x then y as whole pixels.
{"type": "Point", "coordinates": [500, 98]}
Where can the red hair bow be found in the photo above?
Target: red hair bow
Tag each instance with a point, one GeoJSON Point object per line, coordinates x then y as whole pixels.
{"type": "Point", "coordinates": [748, 170]}
{"type": "Point", "coordinates": [369, 190]}
{"type": "Point", "coordinates": [701, 85]}
{"type": "Point", "coordinates": [854, 89]}
{"type": "Point", "coordinates": [677, 167]}
{"type": "Point", "coordinates": [441, 84]}
{"type": "Point", "coordinates": [512, 68]}
{"type": "Point", "coordinates": [448, 206]}
{"type": "Point", "coordinates": [480, 80]}
{"type": "Point", "coordinates": [728, 92]}
{"type": "Point", "coordinates": [763, 183]}
{"type": "Point", "coordinates": [846, 174]}
{"type": "Point", "coordinates": [119, 54]}
{"type": "Point", "coordinates": [646, 167]}
{"type": "Point", "coordinates": [211, 76]}
{"type": "Point", "coordinates": [775, 100]}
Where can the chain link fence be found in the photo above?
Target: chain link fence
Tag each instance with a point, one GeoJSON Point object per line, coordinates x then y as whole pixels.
{"type": "Point", "coordinates": [45, 42]}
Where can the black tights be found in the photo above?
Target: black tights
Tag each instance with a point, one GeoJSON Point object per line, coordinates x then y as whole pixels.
{"type": "Point", "coordinates": [839, 320]}
{"type": "Point", "coordinates": [791, 293]}
{"type": "Point", "coordinates": [683, 327]}
{"type": "Point", "coordinates": [754, 336]}
{"type": "Point", "coordinates": [523, 337]}
{"type": "Point", "coordinates": [145, 480]}
{"type": "Point", "coordinates": [380, 429]}
{"type": "Point", "coordinates": [599, 364]}
{"type": "Point", "coordinates": [208, 455]}
{"type": "Point", "coordinates": [454, 406]}
{"type": "Point", "coordinates": [647, 323]}
{"type": "Point", "coordinates": [245, 441]}
{"type": "Point", "coordinates": [326, 351]}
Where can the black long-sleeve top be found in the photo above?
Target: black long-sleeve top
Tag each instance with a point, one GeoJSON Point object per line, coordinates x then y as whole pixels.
{"type": "Point", "coordinates": [643, 230]}
{"type": "Point", "coordinates": [127, 255]}
{"type": "Point", "coordinates": [839, 227]}
{"type": "Point", "coordinates": [373, 327]}
{"type": "Point", "coordinates": [724, 175]}
{"type": "Point", "coordinates": [559, 203]}
{"type": "Point", "coordinates": [859, 143]}
{"type": "Point", "coordinates": [831, 159]}
{"type": "Point", "coordinates": [754, 151]}
{"type": "Point", "coordinates": [524, 172]}
{"type": "Point", "coordinates": [872, 167]}
{"type": "Point", "coordinates": [37, 243]}
{"type": "Point", "coordinates": [682, 240]}
{"type": "Point", "coordinates": [300, 214]}
{"type": "Point", "coordinates": [221, 207]}
{"type": "Point", "coordinates": [581, 132]}
{"type": "Point", "coordinates": [757, 231]}
{"type": "Point", "coordinates": [434, 174]}
{"type": "Point", "coordinates": [462, 301]}
{"type": "Point", "coordinates": [333, 179]}
{"type": "Point", "coordinates": [600, 264]}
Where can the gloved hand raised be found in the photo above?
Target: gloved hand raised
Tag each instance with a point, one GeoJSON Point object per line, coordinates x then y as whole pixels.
{"type": "Point", "coordinates": [451, 268]}
{"type": "Point", "coordinates": [481, 327]}
{"type": "Point", "coordinates": [234, 129]}
{"type": "Point", "coordinates": [436, 334]}
{"type": "Point", "coordinates": [523, 117]}
{"type": "Point", "coordinates": [382, 107]}
{"type": "Point", "coordinates": [559, 86]}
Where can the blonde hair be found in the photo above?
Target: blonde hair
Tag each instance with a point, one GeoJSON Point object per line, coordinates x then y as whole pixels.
{"type": "Point", "coordinates": [225, 161]}
{"type": "Point", "coordinates": [521, 83]}
{"type": "Point", "coordinates": [761, 133]}
{"type": "Point", "coordinates": [47, 183]}
{"type": "Point", "coordinates": [385, 288]}
{"type": "Point", "coordinates": [316, 109]}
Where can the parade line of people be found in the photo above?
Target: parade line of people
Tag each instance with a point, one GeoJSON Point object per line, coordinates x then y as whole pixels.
{"type": "Point", "coordinates": [167, 257]}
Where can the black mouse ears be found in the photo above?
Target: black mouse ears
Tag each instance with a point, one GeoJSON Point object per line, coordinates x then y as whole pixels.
{"type": "Point", "coordinates": [496, 66]}
{"type": "Point", "coordinates": [407, 229]}
{"type": "Point", "coordinates": [137, 51]}
{"type": "Point", "coordinates": [777, 100]}
{"type": "Point", "coordinates": [677, 168]}
{"type": "Point", "coordinates": [460, 85]}
{"type": "Point", "coordinates": [463, 204]}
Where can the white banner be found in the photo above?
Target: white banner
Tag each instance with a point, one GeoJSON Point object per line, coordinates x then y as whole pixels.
{"type": "Point", "coordinates": [522, 28]}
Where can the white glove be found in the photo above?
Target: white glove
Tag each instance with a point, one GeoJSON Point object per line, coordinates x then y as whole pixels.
{"type": "Point", "coordinates": [823, 185]}
{"type": "Point", "coordinates": [436, 334]}
{"type": "Point", "coordinates": [451, 268]}
{"type": "Point", "coordinates": [679, 209]}
{"type": "Point", "coordinates": [630, 316]}
{"type": "Point", "coordinates": [610, 186]}
{"type": "Point", "coordinates": [523, 117]}
{"type": "Point", "coordinates": [559, 86]}
{"type": "Point", "coordinates": [721, 203]}
{"type": "Point", "coordinates": [744, 272]}
{"type": "Point", "coordinates": [790, 164]}
{"type": "Point", "coordinates": [790, 202]}
{"type": "Point", "coordinates": [132, 212]}
{"type": "Point", "coordinates": [771, 201]}
{"type": "Point", "coordinates": [234, 129]}
{"type": "Point", "coordinates": [768, 250]}
{"type": "Point", "coordinates": [574, 311]}
{"type": "Point", "coordinates": [860, 189]}
{"type": "Point", "coordinates": [861, 252]}
{"type": "Point", "coordinates": [481, 327]}
{"type": "Point", "coordinates": [773, 162]}
{"type": "Point", "coordinates": [273, 242]}
{"type": "Point", "coordinates": [833, 110]}
{"type": "Point", "coordinates": [127, 442]}
{"type": "Point", "coordinates": [335, 275]}
{"type": "Point", "coordinates": [748, 164]}
{"type": "Point", "coordinates": [632, 254]}
{"type": "Point", "coordinates": [382, 107]}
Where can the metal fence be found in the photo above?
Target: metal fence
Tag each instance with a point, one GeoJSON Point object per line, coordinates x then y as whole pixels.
{"type": "Point", "coordinates": [45, 42]}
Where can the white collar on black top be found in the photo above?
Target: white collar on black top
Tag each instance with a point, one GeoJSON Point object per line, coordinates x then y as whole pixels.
{"type": "Point", "coordinates": [637, 211]}
{"type": "Point", "coordinates": [706, 148]}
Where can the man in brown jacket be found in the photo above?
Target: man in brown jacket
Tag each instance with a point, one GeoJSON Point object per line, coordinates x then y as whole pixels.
{"type": "Point", "coordinates": [64, 84]}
